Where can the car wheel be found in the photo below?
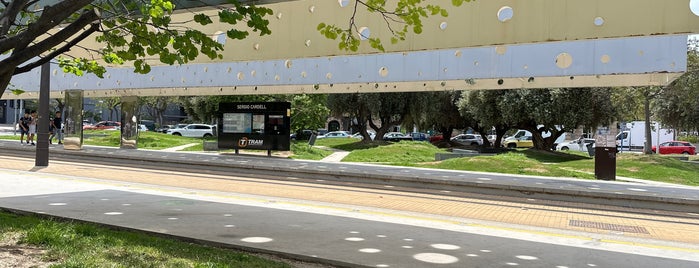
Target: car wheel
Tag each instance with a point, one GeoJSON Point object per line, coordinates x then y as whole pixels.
{"type": "Point", "coordinates": [177, 134]}
{"type": "Point", "coordinates": [685, 152]}
{"type": "Point", "coordinates": [564, 148]}
{"type": "Point", "coordinates": [207, 135]}
{"type": "Point", "coordinates": [474, 144]}
{"type": "Point", "coordinates": [511, 145]}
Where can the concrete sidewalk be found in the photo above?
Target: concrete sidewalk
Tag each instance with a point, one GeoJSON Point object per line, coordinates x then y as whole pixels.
{"type": "Point", "coordinates": [624, 194]}
{"type": "Point", "coordinates": [336, 156]}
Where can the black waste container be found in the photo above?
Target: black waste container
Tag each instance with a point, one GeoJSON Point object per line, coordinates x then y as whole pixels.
{"type": "Point", "coordinates": [605, 163]}
{"type": "Point", "coordinates": [590, 149]}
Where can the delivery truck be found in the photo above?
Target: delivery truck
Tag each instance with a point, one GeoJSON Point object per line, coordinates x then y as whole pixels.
{"type": "Point", "coordinates": [633, 135]}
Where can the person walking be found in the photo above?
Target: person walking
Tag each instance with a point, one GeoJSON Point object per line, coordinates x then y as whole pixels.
{"type": "Point", "coordinates": [24, 128]}
{"type": "Point", "coordinates": [32, 128]}
{"type": "Point", "coordinates": [56, 124]}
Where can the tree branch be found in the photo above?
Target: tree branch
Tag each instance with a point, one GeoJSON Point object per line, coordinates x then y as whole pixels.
{"type": "Point", "coordinates": [65, 48]}
{"type": "Point", "coordinates": [8, 16]}
{"type": "Point", "coordinates": [51, 17]}
{"type": "Point", "coordinates": [22, 55]}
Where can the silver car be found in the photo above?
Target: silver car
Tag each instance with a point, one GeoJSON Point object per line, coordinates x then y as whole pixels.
{"type": "Point", "coordinates": [468, 139]}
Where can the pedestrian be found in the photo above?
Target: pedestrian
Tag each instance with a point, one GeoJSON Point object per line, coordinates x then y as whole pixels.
{"type": "Point", "coordinates": [24, 127]}
{"type": "Point", "coordinates": [50, 130]}
{"type": "Point", "coordinates": [32, 128]}
{"type": "Point", "coordinates": [56, 124]}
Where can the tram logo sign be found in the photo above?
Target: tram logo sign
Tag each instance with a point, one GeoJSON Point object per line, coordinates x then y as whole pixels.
{"type": "Point", "coordinates": [245, 142]}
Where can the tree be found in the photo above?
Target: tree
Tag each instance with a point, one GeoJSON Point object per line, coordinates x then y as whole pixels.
{"type": "Point", "coordinates": [387, 110]}
{"type": "Point", "coordinates": [678, 105]}
{"type": "Point", "coordinates": [638, 103]}
{"type": "Point", "coordinates": [483, 107]}
{"type": "Point", "coordinates": [34, 32]}
{"type": "Point", "coordinates": [156, 106]}
{"type": "Point", "coordinates": [109, 103]}
{"type": "Point", "coordinates": [380, 111]}
{"type": "Point", "coordinates": [354, 106]}
{"type": "Point", "coordinates": [435, 110]}
{"type": "Point", "coordinates": [308, 111]}
{"type": "Point", "coordinates": [555, 111]}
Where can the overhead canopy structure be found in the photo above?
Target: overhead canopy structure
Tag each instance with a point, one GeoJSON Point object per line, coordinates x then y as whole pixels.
{"type": "Point", "coordinates": [481, 45]}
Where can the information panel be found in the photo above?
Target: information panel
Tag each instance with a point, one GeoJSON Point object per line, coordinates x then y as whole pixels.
{"type": "Point", "coordinates": [255, 125]}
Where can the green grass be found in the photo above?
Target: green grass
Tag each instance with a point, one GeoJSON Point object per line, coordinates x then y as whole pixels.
{"type": "Point", "coordinates": [400, 153]}
{"type": "Point", "coordinates": [576, 165]}
{"type": "Point", "coordinates": [146, 140]}
{"type": "Point", "coordinates": [333, 142]}
{"type": "Point", "coordinates": [658, 168]}
{"type": "Point", "coordinates": [301, 150]}
{"type": "Point", "coordinates": [87, 245]}
{"type": "Point", "coordinates": [523, 162]}
{"type": "Point", "coordinates": [10, 137]}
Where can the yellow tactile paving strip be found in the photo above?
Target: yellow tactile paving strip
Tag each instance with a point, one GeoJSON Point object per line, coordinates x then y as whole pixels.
{"type": "Point", "coordinates": [548, 214]}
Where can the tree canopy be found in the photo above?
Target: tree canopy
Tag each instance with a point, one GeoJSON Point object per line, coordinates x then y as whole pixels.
{"type": "Point", "coordinates": [33, 32]}
{"type": "Point", "coordinates": [678, 104]}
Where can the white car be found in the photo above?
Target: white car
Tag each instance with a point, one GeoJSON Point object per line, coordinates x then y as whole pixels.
{"type": "Point", "coordinates": [335, 134]}
{"type": "Point", "coordinates": [193, 130]}
{"type": "Point", "coordinates": [358, 135]}
{"type": "Point", "coordinates": [575, 145]}
{"type": "Point", "coordinates": [468, 139]}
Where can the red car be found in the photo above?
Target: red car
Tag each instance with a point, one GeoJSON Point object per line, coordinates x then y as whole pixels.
{"type": "Point", "coordinates": [436, 138]}
{"type": "Point", "coordinates": [676, 147]}
{"type": "Point", "coordinates": [111, 125]}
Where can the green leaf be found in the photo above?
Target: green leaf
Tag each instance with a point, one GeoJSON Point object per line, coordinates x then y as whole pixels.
{"type": "Point", "coordinates": [202, 19]}
{"type": "Point", "coordinates": [444, 13]}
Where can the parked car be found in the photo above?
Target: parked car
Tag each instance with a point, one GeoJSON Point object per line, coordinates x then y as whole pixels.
{"type": "Point", "coordinates": [468, 139]}
{"type": "Point", "coordinates": [164, 128]}
{"type": "Point", "coordinates": [575, 145]}
{"type": "Point", "coordinates": [676, 147]}
{"type": "Point", "coordinates": [436, 138]}
{"type": "Point", "coordinates": [396, 136]}
{"type": "Point", "coordinates": [335, 134]}
{"type": "Point", "coordinates": [150, 125]}
{"type": "Point", "coordinates": [194, 130]}
{"type": "Point", "coordinates": [358, 135]}
{"type": "Point", "coordinates": [419, 136]}
{"type": "Point", "coordinates": [521, 142]}
{"type": "Point", "coordinates": [492, 138]}
{"type": "Point", "coordinates": [104, 125]}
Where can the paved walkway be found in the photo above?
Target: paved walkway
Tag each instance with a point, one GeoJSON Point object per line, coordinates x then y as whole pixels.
{"type": "Point", "coordinates": [179, 148]}
{"type": "Point", "coordinates": [336, 156]}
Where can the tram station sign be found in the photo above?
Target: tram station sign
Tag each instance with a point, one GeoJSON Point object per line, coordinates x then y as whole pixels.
{"type": "Point", "coordinates": [254, 125]}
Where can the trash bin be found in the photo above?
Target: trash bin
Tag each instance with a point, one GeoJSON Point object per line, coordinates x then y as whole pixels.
{"type": "Point", "coordinates": [312, 139]}
{"type": "Point", "coordinates": [605, 163]}
{"type": "Point", "coordinates": [590, 149]}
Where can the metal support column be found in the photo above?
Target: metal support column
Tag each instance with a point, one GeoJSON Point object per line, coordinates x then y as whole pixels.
{"type": "Point", "coordinates": [42, 140]}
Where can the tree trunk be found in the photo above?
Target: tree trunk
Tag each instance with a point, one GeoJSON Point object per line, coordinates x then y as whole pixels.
{"type": "Point", "coordinates": [486, 142]}
{"type": "Point", "coordinates": [648, 144]}
{"type": "Point", "coordinates": [500, 133]}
